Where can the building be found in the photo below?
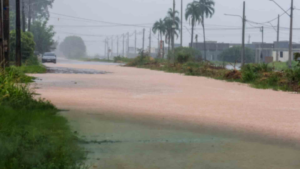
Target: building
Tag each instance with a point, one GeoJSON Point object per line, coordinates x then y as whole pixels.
{"type": "Point", "coordinates": [282, 47]}
{"type": "Point", "coordinates": [264, 52]}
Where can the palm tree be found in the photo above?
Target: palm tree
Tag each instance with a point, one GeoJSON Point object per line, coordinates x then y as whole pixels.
{"type": "Point", "coordinates": [192, 12]}
{"type": "Point", "coordinates": [159, 26]}
{"type": "Point", "coordinates": [206, 8]}
{"type": "Point", "coordinates": [169, 25]}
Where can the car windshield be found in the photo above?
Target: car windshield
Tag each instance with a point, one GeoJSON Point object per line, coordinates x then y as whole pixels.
{"type": "Point", "coordinates": [150, 84]}
{"type": "Point", "coordinates": [49, 55]}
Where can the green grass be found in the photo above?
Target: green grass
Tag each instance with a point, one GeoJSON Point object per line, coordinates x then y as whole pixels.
{"type": "Point", "coordinates": [282, 65]}
{"type": "Point", "coordinates": [257, 75]}
{"type": "Point", "coordinates": [37, 139]}
{"type": "Point", "coordinates": [95, 60]}
{"type": "Point", "coordinates": [32, 135]}
{"type": "Point", "coordinates": [33, 69]}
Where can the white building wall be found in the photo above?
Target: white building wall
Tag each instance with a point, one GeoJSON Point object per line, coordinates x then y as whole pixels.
{"type": "Point", "coordinates": [284, 58]}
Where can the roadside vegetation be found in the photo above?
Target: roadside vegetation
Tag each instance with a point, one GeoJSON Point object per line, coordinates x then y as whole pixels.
{"type": "Point", "coordinates": [32, 135]}
{"type": "Point", "coordinates": [265, 76]}
{"type": "Point", "coordinates": [117, 59]}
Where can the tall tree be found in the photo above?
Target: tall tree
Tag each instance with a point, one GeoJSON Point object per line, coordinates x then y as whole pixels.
{"type": "Point", "coordinates": [159, 26]}
{"type": "Point", "coordinates": [43, 36]}
{"type": "Point", "coordinates": [169, 26]}
{"type": "Point", "coordinates": [73, 47]}
{"type": "Point", "coordinates": [35, 9]}
{"type": "Point", "coordinates": [192, 13]}
{"type": "Point", "coordinates": [207, 10]}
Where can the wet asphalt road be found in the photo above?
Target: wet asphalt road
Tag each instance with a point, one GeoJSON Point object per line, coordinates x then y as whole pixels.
{"type": "Point", "coordinates": [141, 119]}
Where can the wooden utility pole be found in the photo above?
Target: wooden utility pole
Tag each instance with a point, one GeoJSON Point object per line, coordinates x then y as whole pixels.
{"type": "Point", "coordinates": [127, 44]}
{"type": "Point", "coordinates": [243, 35]}
{"type": "Point", "coordinates": [23, 17]}
{"type": "Point", "coordinates": [277, 46]}
{"type": "Point", "coordinates": [181, 30]}
{"type": "Point", "coordinates": [173, 32]}
{"type": "Point", "coordinates": [117, 45]}
{"type": "Point", "coordinates": [150, 42]}
{"type": "Point", "coordinates": [262, 44]}
{"type": "Point", "coordinates": [123, 45]}
{"type": "Point", "coordinates": [135, 41]}
{"type": "Point", "coordinates": [18, 34]}
{"type": "Point", "coordinates": [112, 46]}
{"type": "Point", "coordinates": [291, 35]}
{"type": "Point", "coordinates": [105, 48]}
{"type": "Point", "coordinates": [6, 31]}
{"type": "Point", "coordinates": [143, 41]}
{"type": "Point", "coordinates": [2, 59]}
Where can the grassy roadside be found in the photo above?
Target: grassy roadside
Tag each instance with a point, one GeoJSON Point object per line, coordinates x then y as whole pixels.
{"type": "Point", "coordinates": [32, 135]}
{"type": "Point", "coordinates": [117, 59]}
{"type": "Point", "coordinates": [261, 76]}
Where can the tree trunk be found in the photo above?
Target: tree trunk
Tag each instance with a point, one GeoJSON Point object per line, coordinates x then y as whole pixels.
{"type": "Point", "coordinates": [204, 39]}
{"type": "Point", "coordinates": [160, 47]}
{"type": "Point", "coordinates": [192, 38]}
{"type": "Point", "coordinates": [29, 16]}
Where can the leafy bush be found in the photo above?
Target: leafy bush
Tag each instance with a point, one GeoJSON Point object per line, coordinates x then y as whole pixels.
{"type": "Point", "coordinates": [120, 59]}
{"type": "Point", "coordinates": [184, 54]}
{"type": "Point", "coordinates": [141, 60]}
{"type": "Point", "coordinates": [27, 44]}
{"type": "Point", "coordinates": [293, 75]}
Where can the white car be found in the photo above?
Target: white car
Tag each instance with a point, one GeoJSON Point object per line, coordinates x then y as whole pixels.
{"type": "Point", "coordinates": [49, 57]}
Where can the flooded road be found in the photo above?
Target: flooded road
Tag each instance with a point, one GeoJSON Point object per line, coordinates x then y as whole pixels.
{"type": "Point", "coordinates": [135, 118]}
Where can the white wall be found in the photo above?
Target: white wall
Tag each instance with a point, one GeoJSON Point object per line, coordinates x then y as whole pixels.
{"type": "Point", "coordinates": [285, 57]}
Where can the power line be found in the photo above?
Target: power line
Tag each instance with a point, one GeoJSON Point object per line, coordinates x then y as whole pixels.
{"type": "Point", "coordinates": [113, 23]}
{"type": "Point", "coordinates": [271, 19]}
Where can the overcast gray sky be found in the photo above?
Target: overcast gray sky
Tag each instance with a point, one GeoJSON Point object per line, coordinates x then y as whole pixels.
{"type": "Point", "coordinates": [146, 12]}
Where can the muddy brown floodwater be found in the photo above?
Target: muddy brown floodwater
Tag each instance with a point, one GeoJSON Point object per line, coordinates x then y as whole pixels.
{"type": "Point", "coordinates": [134, 118]}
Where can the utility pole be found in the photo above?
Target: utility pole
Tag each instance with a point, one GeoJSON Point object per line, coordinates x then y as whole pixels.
{"type": "Point", "coordinates": [123, 45]}
{"type": "Point", "coordinates": [143, 40]}
{"type": "Point", "coordinates": [181, 30]}
{"type": "Point", "coordinates": [243, 35]}
{"type": "Point", "coordinates": [104, 47]}
{"type": "Point", "coordinates": [18, 33]}
{"type": "Point", "coordinates": [108, 49]}
{"type": "Point", "coordinates": [262, 43]}
{"type": "Point", "coordinates": [112, 45]}
{"type": "Point", "coordinates": [2, 60]}
{"type": "Point", "coordinates": [150, 43]}
{"type": "Point", "coordinates": [23, 17]}
{"type": "Point", "coordinates": [173, 31]}
{"type": "Point", "coordinates": [127, 44]}
{"type": "Point", "coordinates": [277, 46]}
{"type": "Point", "coordinates": [117, 45]}
{"type": "Point", "coordinates": [249, 39]}
{"type": "Point", "coordinates": [291, 35]}
{"type": "Point", "coordinates": [6, 31]}
{"type": "Point", "coordinates": [135, 41]}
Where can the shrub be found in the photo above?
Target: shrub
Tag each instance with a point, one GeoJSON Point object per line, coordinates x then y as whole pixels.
{"type": "Point", "coordinates": [141, 60]}
{"type": "Point", "coordinates": [27, 44]}
{"type": "Point", "coordinates": [120, 59]}
{"type": "Point", "coordinates": [233, 75]}
{"type": "Point", "coordinates": [31, 134]}
{"type": "Point", "coordinates": [293, 75]}
{"type": "Point", "coordinates": [184, 54]}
